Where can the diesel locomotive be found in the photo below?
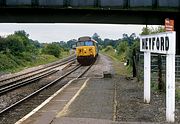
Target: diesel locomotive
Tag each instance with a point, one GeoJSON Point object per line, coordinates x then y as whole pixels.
{"type": "Point", "coordinates": [86, 50]}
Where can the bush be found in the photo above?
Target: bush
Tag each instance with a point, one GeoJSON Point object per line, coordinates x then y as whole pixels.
{"type": "Point", "coordinates": [122, 47]}
{"type": "Point", "coordinates": [7, 63]}
{"type": "Point", "coordinates": [52, 49]}
{"type": "Point", "coordinates": [108, 48]}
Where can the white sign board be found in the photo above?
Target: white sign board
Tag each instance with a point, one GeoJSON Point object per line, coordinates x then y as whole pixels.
{"type": "Point", "coordinates": [163, 43]}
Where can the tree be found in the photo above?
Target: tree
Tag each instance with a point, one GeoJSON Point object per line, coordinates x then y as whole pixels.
{"type": "Point", "coordinates": [127, 49]}
{"type": "Point", "coordinates": [146, 30]}
{"type": "Point", "coordinates": [52, 49]}
{"type": "Point", "coordinates": [130, 38]}
{"type": "Point", "coordinates": [24, 36]}
{"type": "Point", "coordinates": [15, 44]}
{"type": "Point", "coordinates": [21, 33]}
{"type": "Point", "coordinates": [70, 43]}
{"type": "Point", "coordinates": [97, 38]}
{"type": "Point", "coordinates": [122, 47]}
{"type": "Point", "coordinates": [2, 44]}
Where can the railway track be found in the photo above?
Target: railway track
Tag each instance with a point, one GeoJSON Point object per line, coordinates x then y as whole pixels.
{"type": "Point", "coordinates": [41, 94]}
{"type": "Point", "coordinates": [7, 80]}
{"type": "Point", "coordinates": [26, 78]}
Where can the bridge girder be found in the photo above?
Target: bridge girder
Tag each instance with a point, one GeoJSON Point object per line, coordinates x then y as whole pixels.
{"type": "Point", "coordinates": [49, 15]}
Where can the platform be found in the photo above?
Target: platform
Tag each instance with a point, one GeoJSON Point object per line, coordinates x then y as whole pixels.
{"type": "Point", "coordinates": [83, 100]}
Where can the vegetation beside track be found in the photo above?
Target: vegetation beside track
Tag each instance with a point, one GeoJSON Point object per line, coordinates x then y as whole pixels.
{"type": "Point", "coordinates": [118, 63]}
{"type": "Point", "coordinates": [18, 52]}
{"type": "Point", "coordinates": [178, 94]}
{"type": "Point", "coordinates": [10, 63]}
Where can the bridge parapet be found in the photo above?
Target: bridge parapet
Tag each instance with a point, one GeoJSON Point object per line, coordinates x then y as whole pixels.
{"type": "Point", "coordinates": [164, 5]}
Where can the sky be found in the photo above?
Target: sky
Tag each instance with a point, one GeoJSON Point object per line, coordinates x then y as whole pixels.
{"type": "Point", "coordinates": [55, 32]}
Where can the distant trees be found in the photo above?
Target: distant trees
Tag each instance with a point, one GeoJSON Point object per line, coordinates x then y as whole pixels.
{"type": "Point", "coordinates": [106, 42]}
{"type": "Point", "coordinates": [97, 38]}
{"type": "Point", "coordinates": [129, 39]}
{"type": "Point", "coordinates": [63, 45]}
{"type": "Point", "coordinates": [70, 43]}
{"type": "Point", "coordinates": [15, 43]}
{"type": "Point", "coordinates": [52, 49]}
{"type": "Point", "coordinates": [150, 30]}
{"type": "Point", "coordinates": [19, 44]}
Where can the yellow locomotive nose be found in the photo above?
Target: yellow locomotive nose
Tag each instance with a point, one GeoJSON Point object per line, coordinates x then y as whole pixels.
{"type": "Point", "coordinates": [85, 51]}
{"type": "Point", "coordinates": [91, 51]}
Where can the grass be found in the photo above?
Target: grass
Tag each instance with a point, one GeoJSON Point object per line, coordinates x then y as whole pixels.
{"type": "Point", "coordinates": [12, 64]}
{"type": "Point", "coordinates": [118, 63]}
{"type": "Point", "coordinates": [178, 94]}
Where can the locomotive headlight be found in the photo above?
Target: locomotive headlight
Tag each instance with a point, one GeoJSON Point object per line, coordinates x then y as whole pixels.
{"type": "Point", "coordinates": [84, 49]}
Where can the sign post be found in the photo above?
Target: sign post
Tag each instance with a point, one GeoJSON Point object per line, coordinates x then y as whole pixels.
{"type": "Point", "coordinates": [163, 43]}
{"type": "Point", "coordinates": [147, 77]}
{"type": "Point", "coordinates": [170, 87]}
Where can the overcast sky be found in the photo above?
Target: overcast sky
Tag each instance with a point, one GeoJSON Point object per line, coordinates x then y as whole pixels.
{"type": "Point", "coordinates": [54, 32]}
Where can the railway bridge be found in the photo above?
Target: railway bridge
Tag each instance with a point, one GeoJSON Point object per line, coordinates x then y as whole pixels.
{"type": "Point", "coordinates": [150, 12]}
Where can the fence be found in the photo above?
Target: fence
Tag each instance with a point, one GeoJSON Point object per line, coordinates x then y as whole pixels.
{"type": "Point", "coordinates": [155, 68]}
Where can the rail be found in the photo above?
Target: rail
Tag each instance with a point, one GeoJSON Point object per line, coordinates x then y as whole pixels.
{"type": "Point", "coordinates": [45, 87]}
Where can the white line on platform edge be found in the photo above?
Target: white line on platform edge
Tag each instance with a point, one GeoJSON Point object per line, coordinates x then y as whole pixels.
{"type": "Point", "coordinates": [44, 103]}
{"type": "Point", "coordinates": [65, 109]}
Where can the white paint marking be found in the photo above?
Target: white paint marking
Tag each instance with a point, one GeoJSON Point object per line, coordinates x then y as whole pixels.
{"type": "Point", "coordinates": [115, 101]}
{"type": "Point", "coordinates": [44, 103]}
{"type": "Point", "coordinates": [65, 109]}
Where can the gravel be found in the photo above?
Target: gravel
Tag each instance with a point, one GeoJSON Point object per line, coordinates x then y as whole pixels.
{"type": "Point", "coordinates": [130, 106]}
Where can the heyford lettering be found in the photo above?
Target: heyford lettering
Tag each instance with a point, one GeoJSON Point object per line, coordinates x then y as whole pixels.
{"type": "Point", "coordinates": [155, 43]}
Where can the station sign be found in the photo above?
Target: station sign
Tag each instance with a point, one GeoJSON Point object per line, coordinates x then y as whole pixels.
{"type": "Point", "coordinates": [163, 43]}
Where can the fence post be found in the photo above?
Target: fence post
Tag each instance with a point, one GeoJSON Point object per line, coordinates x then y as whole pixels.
{"type": "Point", "coordinates": [134, 66]}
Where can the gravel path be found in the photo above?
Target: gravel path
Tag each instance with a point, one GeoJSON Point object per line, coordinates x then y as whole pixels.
{"type": "Point", "coordinates": [130, 105]}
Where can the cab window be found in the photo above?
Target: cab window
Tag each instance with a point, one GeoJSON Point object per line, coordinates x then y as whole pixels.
{"type": "Point", "coordinates": [80, 43]}
{"type": "Point", "coordinates": [88, 43]}
{"type": "Point", "coordinates": [85, 43]}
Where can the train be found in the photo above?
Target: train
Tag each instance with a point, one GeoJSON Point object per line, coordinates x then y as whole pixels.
{"type": "Point", "coordinates": [86, 50]}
